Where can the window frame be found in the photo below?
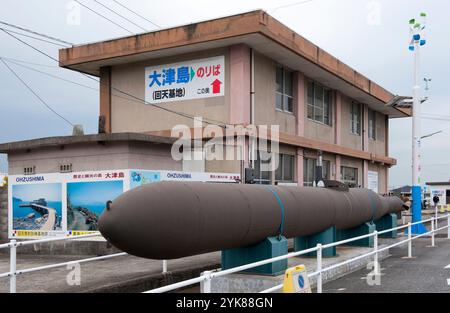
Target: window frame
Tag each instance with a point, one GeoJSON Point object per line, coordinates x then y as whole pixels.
{"type": "Point", "coordinates": [346, 181]}
{"type": "Point", "coordinates": [283, 93]}
{"type": "Point", "coordinates": [356, 123]}
{"type": "Point", "coordinates": [325, 107]}
{"type": "Point", "coordinates": [259, 178]}
{"type": "Point", "coordinates": [372, 127]}
{"type": "Point", "coordinates": [282, 159]}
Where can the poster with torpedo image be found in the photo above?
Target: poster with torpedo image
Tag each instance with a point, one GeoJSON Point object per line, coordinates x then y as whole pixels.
{"type": "Point", "coordinates": [195, 79]}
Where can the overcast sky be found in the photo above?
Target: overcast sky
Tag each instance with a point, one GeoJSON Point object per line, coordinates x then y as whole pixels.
{"type": "Point", "coordinates": [370, 36]}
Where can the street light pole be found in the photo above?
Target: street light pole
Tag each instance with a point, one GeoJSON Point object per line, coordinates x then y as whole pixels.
{"type": "Point", "coordinates": [418, 40]}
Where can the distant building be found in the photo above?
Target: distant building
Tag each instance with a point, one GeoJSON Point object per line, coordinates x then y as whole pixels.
{"type": "Point", "coordinates": [405, 190]}
{"type": "Point", "coordinates": [442, 190]}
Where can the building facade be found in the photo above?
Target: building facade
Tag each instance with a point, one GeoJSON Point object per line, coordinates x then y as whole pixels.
{"type": "Point", "coordinates": [271, 76]}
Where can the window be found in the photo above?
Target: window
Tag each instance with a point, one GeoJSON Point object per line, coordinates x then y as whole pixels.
{"type": "Point", "coordinates": [355, 118]}
{"type": "Point", "coordinates": [285, 170]}
{"type": "Point", "coordinates": [261, 166]}
{"type": "Point", "coordinates": [349, 176]}
{"type": "Point", "coordinates": [319, 103]}
{"type": "Point", "coordinates": [284, 90]}
{"type": "Point", "coordinates": [372, 125]}
{"type": "Point", "coordinates": [326, 169]}
{"type": "Point", "coordinates": [30, 170]}
{"type": "Point", "coordinates": [65, 168]}
{"type": "Point", "coordinates": [309, 171]}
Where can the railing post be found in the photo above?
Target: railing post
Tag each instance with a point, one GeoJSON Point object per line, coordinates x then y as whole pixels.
{"type": "Point", "coordinates": [448, 226]}
{"type": "Point", "coordinates": [409, 241]}
{"type": "Point", "coordinates": [205, 284]}
{"type": "Point", "coordinates": [436, 216]}
{"type": "Point", "coordinates": [432, 231]}
{"type": "Point", "coordinates": [12, 266]}
{"type": "Point", "coordinates": [319, 268]}
{"type": "Point", "coordinates": [376, 268]}
{"type": "Point", "coordinates": [164, 264]}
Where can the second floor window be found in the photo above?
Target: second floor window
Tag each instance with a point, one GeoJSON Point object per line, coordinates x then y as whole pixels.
{"type": "Point", "coordinates": [355, 118]}
{"type": "Point", "coordinates": [284, 94]}
{"type": "Point", "coordinates": [319, 103]}
{"type": "Point", "coordinates": [372, 125]}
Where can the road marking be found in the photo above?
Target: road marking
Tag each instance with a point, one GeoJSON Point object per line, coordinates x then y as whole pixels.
{"type": "Point", "coordinates": [447, 267]}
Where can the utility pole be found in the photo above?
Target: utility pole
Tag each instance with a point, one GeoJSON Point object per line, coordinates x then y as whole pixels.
{"type": "Point", "coordinates": [418, 40]}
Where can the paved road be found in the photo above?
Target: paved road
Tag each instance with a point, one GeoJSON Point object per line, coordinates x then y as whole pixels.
{"type": "Point", "coordinates": [425, 272]}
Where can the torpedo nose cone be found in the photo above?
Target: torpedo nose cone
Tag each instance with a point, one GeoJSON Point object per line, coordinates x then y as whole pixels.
{"type": "Point", "coordinates": [146, 221]}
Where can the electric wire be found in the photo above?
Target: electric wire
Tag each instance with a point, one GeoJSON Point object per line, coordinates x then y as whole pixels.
{"type": "Point", "coordinates": [137, 14]}
{"type": "Point", "coordinates": [101, 15]}
{"type": "Point", "coordinates": [36, 33]}
{"type": "Point", "coordinates": [35, 38]}
{"type": "Point", "coordinates": [118, 14]}
{"type": "Point", "coordinates": [133, 97]}
{"type": "Point", "coordinates": [35, 94]}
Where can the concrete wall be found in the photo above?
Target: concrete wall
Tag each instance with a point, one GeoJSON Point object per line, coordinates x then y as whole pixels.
{"type": "Point", "coordinates": [3, 214]}
{"type": "Point", "coordinates": [265, 109]}
{"type": "Point", "coordinates": [132, 116]}
{"type": "Point", "coordinates": [88, 157]}
{"type": "Point", "coordinates": [378, 146]}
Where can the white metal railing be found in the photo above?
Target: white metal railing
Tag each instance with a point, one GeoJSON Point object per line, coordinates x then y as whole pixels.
{"type": "Point", "coordinates": [205, 278]}
{"type": "Point", "coordinates": [14, 244]}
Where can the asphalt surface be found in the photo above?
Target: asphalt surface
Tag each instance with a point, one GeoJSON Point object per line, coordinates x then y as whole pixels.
{"type": "Point", "coordinates": [424, 273]}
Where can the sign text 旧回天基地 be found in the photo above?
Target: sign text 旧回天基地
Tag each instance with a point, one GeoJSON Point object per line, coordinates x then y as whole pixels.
{"type": "Point", "coordinates": [188, 80]}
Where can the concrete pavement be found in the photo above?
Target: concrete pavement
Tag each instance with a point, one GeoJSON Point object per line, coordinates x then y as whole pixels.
{"type": "Point", "coordinates": [424, 273]}
{"type": "Point", "coordinates": [120, 274]}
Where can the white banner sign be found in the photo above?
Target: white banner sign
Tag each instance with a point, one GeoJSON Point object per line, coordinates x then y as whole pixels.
{"type": "Point", "coordinates": [194, 79]}
{"type": "Point", "coordinates": [373, 181]}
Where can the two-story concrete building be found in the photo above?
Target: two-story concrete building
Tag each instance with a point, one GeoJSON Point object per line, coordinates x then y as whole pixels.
{"type": "Point", "coordinates": [246, 69]}
{"type": "Point", "coordinates": [272, 76]}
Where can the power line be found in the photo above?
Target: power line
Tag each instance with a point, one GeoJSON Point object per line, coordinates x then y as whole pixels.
{"type": "Point", "coordinates": [101, 15]}
{"type": "Point", "coordinates": [29, 45]}
{"type": "Point", "coordinates": [35, 94]}
{"type": "Point", "coordinates": [36, 38]}
{"type": "Point", "coordinates": [31, 63]}
{"type": "Point", "coordinates": [137, 14]}
{"type": "Point", "coordinates": [290, 5]}
{"type": "Point", "coordinates": [118, 14]}
{"type": "Point", "coordinates": [50, 75]}
{"type": "Point", "coordinates": [134, 98]}
{"type": "Point", "coordinates": [36, 33]}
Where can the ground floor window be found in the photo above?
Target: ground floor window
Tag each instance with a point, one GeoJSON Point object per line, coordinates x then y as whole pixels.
{"type": "Point", "coordinates": [261, 167]}
{"type": "Point", "coordinates": [349, 176]}
{"type": "Point", "coordinates": [309, 171]}
{"type": "Point", "coordinates": [285, 170]}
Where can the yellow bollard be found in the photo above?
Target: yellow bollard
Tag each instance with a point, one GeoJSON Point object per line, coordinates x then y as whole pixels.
{"type": "Point", "coordinates": [296, 280]}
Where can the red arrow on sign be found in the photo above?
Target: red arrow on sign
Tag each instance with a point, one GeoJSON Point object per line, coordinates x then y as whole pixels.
{"type": "Point", "coordinates": [216, 86]}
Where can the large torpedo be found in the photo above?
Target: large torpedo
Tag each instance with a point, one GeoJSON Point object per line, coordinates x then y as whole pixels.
{"type": "Point", "coordinates": [168, 220]}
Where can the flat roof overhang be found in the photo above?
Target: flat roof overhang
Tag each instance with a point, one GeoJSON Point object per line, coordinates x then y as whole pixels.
{"type": "Point", "coordinates": [256, 29]}
{"type": "Point", "coordinates": [28, 145]}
